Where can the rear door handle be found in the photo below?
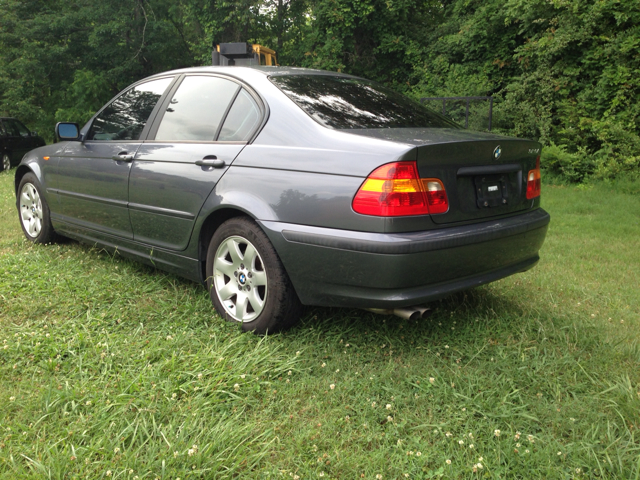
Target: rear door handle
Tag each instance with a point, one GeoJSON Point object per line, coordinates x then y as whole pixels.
{"type": "Point", "coordinates": [122, 157]}
{"type": "Point", "coordinates": [210, 162]}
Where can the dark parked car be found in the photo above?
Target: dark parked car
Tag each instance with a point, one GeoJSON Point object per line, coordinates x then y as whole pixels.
{"type": "Point", "coordinates": [279, 187]}
{"type": "Point", "coordinates": [15, 141]}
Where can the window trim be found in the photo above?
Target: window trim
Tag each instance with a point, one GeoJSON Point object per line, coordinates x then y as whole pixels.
{"type": "Point", "coordinates": [262, 106]}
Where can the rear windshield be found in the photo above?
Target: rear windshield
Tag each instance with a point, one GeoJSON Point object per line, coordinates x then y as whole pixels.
{"type": "Point", "coordinates": [347, 103]}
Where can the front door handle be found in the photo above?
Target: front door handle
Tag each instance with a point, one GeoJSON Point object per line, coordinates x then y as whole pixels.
{"type": "Point", "coordinates": [210, 162]}
{"type": "Point", "coordinates": [122, 157]}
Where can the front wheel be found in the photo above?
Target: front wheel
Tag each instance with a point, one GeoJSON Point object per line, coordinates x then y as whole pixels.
{"type": "Point", "coordinates": [6, 162]}
{"type": "Point", "coordinates": [33, 211]}
{"type": "Point", "coordinates": [246, 280]}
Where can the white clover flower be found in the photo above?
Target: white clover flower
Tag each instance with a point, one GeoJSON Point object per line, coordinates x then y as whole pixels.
{"type": "Point", "coordinates": [389, 418]}
{"type": "Point", "coordinates": [108, 473]}
{"type": "Point", "coordinates": [199, 376]}
{"type": "Point", "coordinates": [448, 462]}
{"type": "Point", "coordinates": [236, 387]}
{"type": "Point", "coordinates": [173, 396]}
{"type": "Point", "coordinates": [449, 434]}
{"type": "Point", "coordinates": [116, 450]}
{"type": "Point", "coordinates": [243, 376]}
{"type": "Point", "coordinates": [289, 372]}
{"type": "Point", "coordinates": [373, 404]}
{"type": "Point", "coordinates": [175, 454]}
{"type": "Point", "coordinates": [530, 438]}
{"type": "Point", "coordinates": [471, 446]}
{"type": "Point", "coordinates": [418, 454]}
{"type": "Point", "coordinates": [432, 380]}
{"type": "Point", "coordinates": [496, 432]}
{"type": "Point", "coordinates": [379, 477]}
{"type": "Point", "coordinates": [321, 474]}
{"type": "Point", "coordinates": [298, 353]}
{"type": "Point", "coordinates": [559, 453]}
{"type": "Point", "coordinates": [460, 442]}
{"type": "Point", "coordinates": [11, 399]}
{"type": "Point", "coordinates": [323, 365]}
{"type": "Point", "coordinates": [332, 386]}
{"type": "Point", "coordinates": [388, 406]}
{"type": "Point", "coordinates": [479, 465]}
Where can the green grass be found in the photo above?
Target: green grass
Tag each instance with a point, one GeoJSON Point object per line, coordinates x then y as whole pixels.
{"type": "Point", "coordinates": [110, 369]}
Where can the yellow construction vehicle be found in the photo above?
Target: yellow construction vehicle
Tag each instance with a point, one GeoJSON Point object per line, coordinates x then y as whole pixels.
{"type": "Point", "coordinates": [241, 53]}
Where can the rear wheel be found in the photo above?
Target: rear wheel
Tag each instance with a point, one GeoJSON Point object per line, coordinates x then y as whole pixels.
{"type": "Point", "coordinates": [33, 211]}
{"type": "Point", "coordinates": [246, 280]}
{"type": "Point", "coordinates": [6, 162]}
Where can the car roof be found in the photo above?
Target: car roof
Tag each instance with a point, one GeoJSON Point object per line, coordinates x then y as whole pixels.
{"type": "Point", "coordinates": [240, 71]}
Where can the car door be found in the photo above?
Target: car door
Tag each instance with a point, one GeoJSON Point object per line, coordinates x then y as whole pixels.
{"type": "Point", "coordinates": [92, 176]}
{"type": "Point", "coordinates": [204, 124]}
{"type": "Point", "coordinates": [16, 139]}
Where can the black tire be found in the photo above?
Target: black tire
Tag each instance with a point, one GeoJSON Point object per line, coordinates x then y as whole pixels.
{"type": "Point", "coordinates": [6, 162]}
{"type": "Point", "coordinates": [44, 233]}
{"type": "Point", "coordinates": [280, 305]}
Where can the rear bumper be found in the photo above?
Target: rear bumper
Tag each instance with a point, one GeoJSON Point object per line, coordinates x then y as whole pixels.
{"type": "Point", "coordinates": [331, 267]}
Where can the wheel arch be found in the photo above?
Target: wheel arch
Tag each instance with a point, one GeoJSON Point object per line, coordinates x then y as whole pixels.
{"type": "Point", "coordinates": [210, 225]}
{"type": "Point", "coordinates": [21, 171]}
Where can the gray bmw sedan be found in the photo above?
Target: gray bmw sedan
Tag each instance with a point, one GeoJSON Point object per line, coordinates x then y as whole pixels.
{"type": "Point", "coordinates": [282, 187]}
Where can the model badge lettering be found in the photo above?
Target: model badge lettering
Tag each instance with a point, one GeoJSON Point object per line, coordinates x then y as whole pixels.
{"type": "Point", "coordinates": [534, 151]}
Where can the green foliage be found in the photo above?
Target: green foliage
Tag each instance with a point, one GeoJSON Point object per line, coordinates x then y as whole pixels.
{"type": "Point", "coordinates": [566, 72]}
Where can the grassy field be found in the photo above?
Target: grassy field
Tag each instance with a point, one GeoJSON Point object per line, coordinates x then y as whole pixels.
{"type": "Point", "coordinates": [110, 369]}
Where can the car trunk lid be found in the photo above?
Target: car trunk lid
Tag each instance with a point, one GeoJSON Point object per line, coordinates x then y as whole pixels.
{"type": "Point", "coordinates": [484, 174]}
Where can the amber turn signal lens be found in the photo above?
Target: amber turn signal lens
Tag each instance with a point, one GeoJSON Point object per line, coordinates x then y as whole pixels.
{"type": "Point", "coordinates": [45, 158]}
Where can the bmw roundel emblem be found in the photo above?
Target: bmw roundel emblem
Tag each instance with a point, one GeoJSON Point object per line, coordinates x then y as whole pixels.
{"type": "Point", "coordinates": [497, 152]}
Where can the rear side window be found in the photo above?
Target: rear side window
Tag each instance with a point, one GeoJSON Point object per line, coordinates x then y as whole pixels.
{"type": "Point", "coordinates": [197, 109]}
{"type": "Point", "coordinates": [242, 119]}
{"type": "Point", "coordinates": [350, 103]}
{"type": "Point", "coordinates": [127, 115]}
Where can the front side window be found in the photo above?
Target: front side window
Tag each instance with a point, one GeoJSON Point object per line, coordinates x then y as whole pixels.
{"type": "Point", "coordinates": [351, 103]}
{"type": "Point", "coordinates": [197, 109]}
{"type": "Point", "coordinates": [127, 115]}
{"type": "Point", "coordinates": [16, 129]}
{"type": "Point", "coordinates": [22, 130]}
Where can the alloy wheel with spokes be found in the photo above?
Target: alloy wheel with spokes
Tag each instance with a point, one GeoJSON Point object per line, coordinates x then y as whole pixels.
{"type": "Point", "coordinates": [6, 162]}
{"type": "Point", "coordinates": [240, 279]}
{"type": "Point", "coordinates": [31, 210]}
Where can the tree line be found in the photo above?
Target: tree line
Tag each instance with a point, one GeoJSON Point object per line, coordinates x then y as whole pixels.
{"type": "Point", "coordinates": [566, 72]}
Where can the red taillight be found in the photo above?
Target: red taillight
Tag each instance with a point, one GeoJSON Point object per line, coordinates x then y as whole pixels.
{"type": "Point", "coordinates": [396, 189]}
{"type": "Point", "coordinates": [533, 181]}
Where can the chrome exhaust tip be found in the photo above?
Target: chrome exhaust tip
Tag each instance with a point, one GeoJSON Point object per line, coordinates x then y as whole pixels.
{"type": "Point", "coordinates": [408, 313]}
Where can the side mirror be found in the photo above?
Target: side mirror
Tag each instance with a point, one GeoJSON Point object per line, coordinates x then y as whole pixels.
{"type": "Point", "coordinates": [67, 131]}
